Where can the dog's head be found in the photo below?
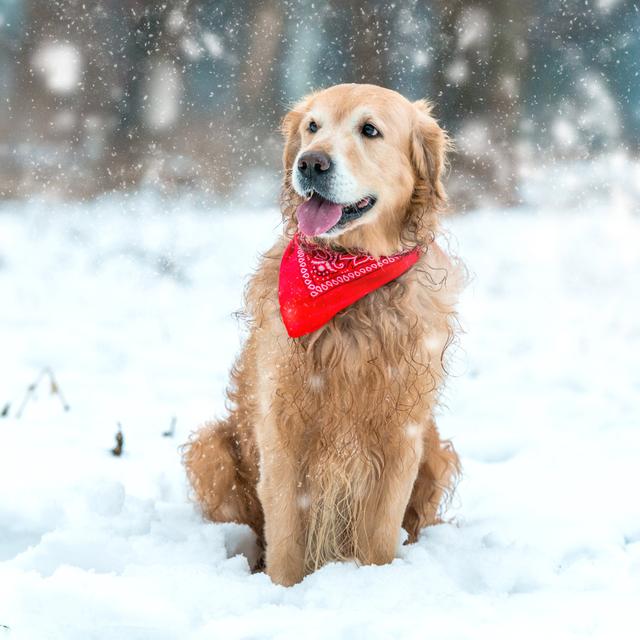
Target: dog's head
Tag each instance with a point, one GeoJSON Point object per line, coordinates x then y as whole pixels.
{"type": "Point", "coordinates": [363, 168]}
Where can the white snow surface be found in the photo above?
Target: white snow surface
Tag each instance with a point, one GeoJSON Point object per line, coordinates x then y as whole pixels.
{"type": "Point", "coordinates": [130, 302]}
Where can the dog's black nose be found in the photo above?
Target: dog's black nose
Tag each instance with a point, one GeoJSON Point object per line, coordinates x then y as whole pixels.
{"type": "Point", "coordinates": [313, 163]}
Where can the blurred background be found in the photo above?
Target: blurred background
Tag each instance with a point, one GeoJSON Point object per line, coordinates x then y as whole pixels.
{"type": "Point", "coordinates": [139, 176]}
{"type": "Point", "coordinates": [107, 95]}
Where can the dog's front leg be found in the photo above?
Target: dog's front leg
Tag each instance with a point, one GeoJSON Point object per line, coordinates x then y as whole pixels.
{"type": "Point", "coordinates": [279, 495]}
{"type": "Point", "coordinates": [379, 530]}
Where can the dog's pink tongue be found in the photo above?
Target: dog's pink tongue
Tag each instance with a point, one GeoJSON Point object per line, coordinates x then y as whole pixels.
{"type": "Point", "coordinates": [316, 215]}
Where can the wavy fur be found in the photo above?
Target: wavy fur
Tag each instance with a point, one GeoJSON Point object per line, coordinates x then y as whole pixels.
{"type": "Point", "coordinates": [330, 444]}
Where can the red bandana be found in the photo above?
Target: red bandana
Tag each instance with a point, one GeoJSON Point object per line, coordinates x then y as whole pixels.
{"type": "Point", "coordinates": [316, 282]}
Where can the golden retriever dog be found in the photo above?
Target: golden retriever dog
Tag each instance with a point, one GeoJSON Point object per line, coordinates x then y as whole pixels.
{"type": "Point", "coordinates": [331, 447]}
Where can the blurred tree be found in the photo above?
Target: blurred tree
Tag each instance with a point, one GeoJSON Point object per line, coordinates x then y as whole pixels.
{"type": "Point", "coordinates": [11, 24]}
{"type": "Point", "coordinates": [478, 75]}
{"type": "Point", "coordinates": [359, 35]}
{"type": "Point", "coordinates": [151, 92]}
{"type": "Point", "coordinates": [47, 65]}
{"type": "Point", "coordinates": [259, 104]}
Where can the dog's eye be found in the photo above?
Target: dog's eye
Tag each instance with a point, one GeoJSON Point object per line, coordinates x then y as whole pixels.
{"type": "Point", "coordinates": [313, 127]}
{"type": "Point", "coordinates": [370, 131]}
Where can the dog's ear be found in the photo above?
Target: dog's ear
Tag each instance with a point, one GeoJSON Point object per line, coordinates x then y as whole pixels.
{"type": "Point", "coordinates": [290, 128]}
{"type": "Point", "coordinates": [429, 146]}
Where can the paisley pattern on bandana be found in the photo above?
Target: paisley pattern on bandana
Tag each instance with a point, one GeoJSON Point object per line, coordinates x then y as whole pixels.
{"type": "Point", "coordinates": [323, 269]}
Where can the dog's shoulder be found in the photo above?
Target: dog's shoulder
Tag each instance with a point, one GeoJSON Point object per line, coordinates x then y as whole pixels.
{"type": "Point", "coordinates": [438, 277]}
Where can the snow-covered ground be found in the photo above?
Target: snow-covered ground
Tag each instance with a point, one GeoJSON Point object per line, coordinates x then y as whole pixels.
{"type": "Point", "coordinates": [130, 301]}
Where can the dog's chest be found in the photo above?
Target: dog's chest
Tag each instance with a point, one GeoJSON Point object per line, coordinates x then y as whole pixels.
{"type": "Point", "coordinates": [368, 367]}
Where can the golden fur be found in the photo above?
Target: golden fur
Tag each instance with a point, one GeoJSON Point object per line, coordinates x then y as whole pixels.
{"type": "Point", "coordinates": [330, 446]}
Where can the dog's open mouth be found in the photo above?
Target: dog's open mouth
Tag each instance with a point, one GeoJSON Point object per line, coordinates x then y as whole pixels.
{"type": "Point", "coordinates": [317, 215]}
